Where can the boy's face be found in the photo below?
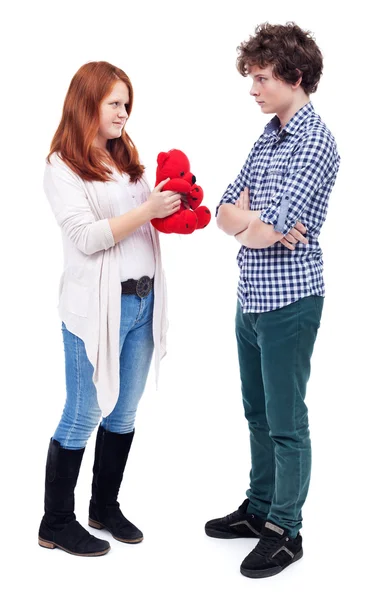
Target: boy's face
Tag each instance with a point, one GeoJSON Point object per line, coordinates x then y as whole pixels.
{"type": "Point", "coordinates": [271, 94]}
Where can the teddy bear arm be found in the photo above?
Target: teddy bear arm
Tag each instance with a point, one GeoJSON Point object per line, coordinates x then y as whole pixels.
{"type": "Point", "coordinates": [177, 185]}
{"type": "Point", "coordinates": [195, 196]}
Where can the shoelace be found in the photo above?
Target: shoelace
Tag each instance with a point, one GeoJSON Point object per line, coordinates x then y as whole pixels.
{"type": "Point", "coordinates": [233, 515]}
{"type": "Point", "coordinates": [267, 545]}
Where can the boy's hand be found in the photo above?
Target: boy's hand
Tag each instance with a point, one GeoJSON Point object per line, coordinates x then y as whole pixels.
{"type": "Point", "coordinates": [294, 236]}
{"type": "Point", "coordinates": [243, 200]}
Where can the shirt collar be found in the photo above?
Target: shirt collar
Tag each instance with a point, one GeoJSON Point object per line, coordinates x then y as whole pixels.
{"type": "Point", "coordinates": [293, 125]}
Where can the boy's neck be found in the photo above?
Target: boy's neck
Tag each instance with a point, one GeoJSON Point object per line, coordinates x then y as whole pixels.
{"type": "Point", "coordinates": [292, 109]}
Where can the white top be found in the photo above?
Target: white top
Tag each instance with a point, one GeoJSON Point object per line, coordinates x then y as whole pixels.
{"type": "Point", "coordinates": [90, 290]}
{"type": "Point", "coordinates": [136, 250]}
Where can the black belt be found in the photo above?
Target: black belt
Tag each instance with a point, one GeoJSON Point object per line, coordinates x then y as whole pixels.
{"type": "Point", "coordinates": [141, 287]}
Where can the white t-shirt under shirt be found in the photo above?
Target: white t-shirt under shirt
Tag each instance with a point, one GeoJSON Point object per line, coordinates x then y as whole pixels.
{"type": "Point", "coordinates": [136, 250]}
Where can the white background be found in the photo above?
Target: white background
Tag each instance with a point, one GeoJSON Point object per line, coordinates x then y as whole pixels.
{"type": "Point", "coordinates": [190, 458]}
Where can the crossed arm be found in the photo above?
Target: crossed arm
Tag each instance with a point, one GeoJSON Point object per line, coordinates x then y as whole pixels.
{"type": "Point", "coordinates": [247, 228]}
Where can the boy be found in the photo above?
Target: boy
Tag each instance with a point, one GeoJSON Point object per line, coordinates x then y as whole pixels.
{"type": "Point", "coordinates": [275, 209]}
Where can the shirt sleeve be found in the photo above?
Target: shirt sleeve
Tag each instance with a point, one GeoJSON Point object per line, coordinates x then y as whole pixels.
{"type": "Point", "coordinates": [315, 163]}
{"type": "Point", "coordinates": [70, 206]}
{"type": "Point", "coordinates": [242, 181]}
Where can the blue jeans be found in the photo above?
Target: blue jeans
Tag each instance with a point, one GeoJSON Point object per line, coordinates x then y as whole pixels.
{"type": "Point", "coordinates": [81, 412]}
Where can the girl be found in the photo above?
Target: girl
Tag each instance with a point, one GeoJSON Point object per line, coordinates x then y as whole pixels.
{"type": "Point", "coordinates": [112, 301]}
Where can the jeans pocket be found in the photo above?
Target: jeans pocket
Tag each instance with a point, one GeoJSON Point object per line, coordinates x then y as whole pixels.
{"type": "Point", "coordinates": [319, 303]}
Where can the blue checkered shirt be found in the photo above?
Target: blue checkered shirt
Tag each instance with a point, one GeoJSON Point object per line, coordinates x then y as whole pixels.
{"type": "Point", "coordinates": [290, 174]}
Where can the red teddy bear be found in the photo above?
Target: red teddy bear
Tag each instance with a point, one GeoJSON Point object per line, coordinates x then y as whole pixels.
{"type": "Point", "coordinates": [190, 216]}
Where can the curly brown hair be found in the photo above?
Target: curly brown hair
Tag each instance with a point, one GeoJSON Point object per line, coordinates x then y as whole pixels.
{"type": "Point", "coordinates": [292, 53]}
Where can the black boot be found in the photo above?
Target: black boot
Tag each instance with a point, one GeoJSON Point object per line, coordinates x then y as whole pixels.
{"type": "Point", "coordinates": [111, 452]}
{"type": "Point", "coordinates": [59, 527]}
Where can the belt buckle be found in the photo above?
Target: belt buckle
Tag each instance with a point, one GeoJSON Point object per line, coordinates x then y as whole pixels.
{"type": "Point", "coordinates": [144, 286]}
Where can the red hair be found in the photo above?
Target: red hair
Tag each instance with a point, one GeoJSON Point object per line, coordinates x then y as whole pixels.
{"type": "Point", "coordinates": [79, 125]}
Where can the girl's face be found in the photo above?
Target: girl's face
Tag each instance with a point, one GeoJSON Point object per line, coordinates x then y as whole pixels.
{"type": "Point", "coordinates": [112, 114]}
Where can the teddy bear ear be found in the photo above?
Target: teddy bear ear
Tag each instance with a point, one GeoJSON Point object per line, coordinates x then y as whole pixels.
{"type": "Point", "coordinates": [161, 158]}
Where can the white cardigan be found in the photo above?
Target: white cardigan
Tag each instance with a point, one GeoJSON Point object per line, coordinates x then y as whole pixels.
{"type": "Point", "coordinates": [90, 287]}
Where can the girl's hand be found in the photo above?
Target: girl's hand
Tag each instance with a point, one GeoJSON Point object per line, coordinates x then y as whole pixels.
{"type": "Point", "coordinates": [163, 204]}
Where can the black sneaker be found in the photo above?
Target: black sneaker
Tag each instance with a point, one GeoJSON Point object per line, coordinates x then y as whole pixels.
{"type": "Point", "coordinates": [274, 552]}
{"type": "Point", "coordinates": [238, 524]}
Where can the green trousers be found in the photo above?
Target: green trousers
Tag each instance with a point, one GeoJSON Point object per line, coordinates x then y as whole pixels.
{"type": "Point", "coordinates": [274, 350]}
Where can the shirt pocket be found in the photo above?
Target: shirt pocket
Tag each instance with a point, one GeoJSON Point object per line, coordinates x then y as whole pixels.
{"type": "Point", "coordinates": [271, 184]}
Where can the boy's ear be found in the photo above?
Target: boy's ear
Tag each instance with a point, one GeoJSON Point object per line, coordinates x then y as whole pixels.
{"type": "Point", "coordinates": [299, 78]}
